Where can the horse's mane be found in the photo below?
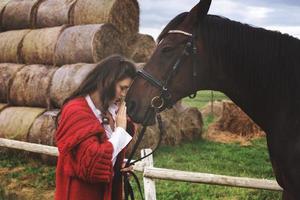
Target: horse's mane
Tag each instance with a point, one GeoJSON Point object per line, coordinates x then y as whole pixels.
{"type": "Point", "coordinates": [271, 55]}
{"type": "Point", "coordinates": [171, 25]}
{"type": "Point", "coordinates": [246, 46]}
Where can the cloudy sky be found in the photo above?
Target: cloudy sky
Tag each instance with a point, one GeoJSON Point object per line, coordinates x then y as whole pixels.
{"type": "Point", "coordinates": [281, 15]}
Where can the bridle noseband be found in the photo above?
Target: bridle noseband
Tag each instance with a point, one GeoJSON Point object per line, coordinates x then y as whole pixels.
{"type": "Point", "coordinates": [164, 99]}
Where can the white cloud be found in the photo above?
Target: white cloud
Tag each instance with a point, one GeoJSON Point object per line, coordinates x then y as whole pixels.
{"type": "Point", "coordinates": [154, 32]}
{"type": "Point", "coordinates": [291, 30]}
{"type": "Point", "coordinates": [257, 14]}
{"type": "Point", "coordinates": [284, 15]}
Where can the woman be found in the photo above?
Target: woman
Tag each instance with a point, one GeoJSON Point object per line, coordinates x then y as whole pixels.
{"type": "Point", "coordinates": [92, 133]}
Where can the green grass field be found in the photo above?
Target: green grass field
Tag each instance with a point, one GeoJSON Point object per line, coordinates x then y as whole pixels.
{"type": "Point", "coordinates": [197, 156]}
{"type": "Point", "coordinates": [210, 157]}
{"type": "Point", "coordinates": [203, 97]}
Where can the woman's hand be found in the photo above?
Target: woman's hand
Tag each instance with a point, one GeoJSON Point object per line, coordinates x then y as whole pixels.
{"type": "Point", "coordinates": [126, 169]}
{"type": "Point", "coordinates": [121, 118]}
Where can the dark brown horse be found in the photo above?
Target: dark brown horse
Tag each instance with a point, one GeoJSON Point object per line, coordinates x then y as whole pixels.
{"type": "Point", "coordinates": [258, 69]}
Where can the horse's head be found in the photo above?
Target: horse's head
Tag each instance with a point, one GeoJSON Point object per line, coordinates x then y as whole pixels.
{"type": "Point", "coordinates": [170, 73]}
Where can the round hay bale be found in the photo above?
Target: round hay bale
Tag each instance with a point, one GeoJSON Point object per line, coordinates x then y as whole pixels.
{"type": "Point", "coordinates": [234, 120]}
{"type": "Point", "coordinates": [7, 72]}
{"type": "Point", "coordinates": [87, 44]}
{"type": "Point", "coordinates": [190, 124]}
{"type": "Point", "coordinates": [172, 136]}
{"type": "Point", "coordinates": [54, 13]}
{"type": "Point", "coordinates": [216, 109]}
{"type": "Point", "coordinates": [39, 45]}
{"type": "Point", "coordinates": [10, 45]}
{"type": "Point", "coordinates": [43, 128]}
{"type": "Point", "coordinates": [30, 87]}
{"type": "Point", "coordinates": [149, 140]}
{"type": "Point", "coordinates": [3, 105]}
{"type": "Point", "coordinates": [233, 126]}
{"type": "Point", "coordinates": [141, 47]}
{"type": "Point", "coordinates": [66, 80]}
{"type": "Point", "coordinates": [15, 122]}
{"type": "Point", "coordinates": [123, 14]}
{"type": "Point", "coordinates": [19, 14]}
{"type": "Point", "coordinates": [3, 3]}
{"type": "Point", "coordinates": [42, 132]}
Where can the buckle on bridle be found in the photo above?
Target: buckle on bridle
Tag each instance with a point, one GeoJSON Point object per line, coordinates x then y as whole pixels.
{"type": "Point", "coordinates": [159, 101]}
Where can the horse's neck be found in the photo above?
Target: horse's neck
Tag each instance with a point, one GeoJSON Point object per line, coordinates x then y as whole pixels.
{"type": "Point", "coordinates": [255, 77]}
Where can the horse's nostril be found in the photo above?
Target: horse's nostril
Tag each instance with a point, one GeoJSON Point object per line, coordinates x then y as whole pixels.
{"type": "Point", "coordinates": [130, 106]}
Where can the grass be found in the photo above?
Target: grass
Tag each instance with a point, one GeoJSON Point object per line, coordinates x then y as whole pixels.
{"type": "Point", "coordinates": [203, 97]}
{"type": "Point", "coordinates": [211, 157]}
{"type": "Point", "coordinates": [26, 171]}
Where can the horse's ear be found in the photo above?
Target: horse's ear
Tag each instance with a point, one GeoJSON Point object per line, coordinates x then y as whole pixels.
{"type": "Point", "coordinates": [199, 11]}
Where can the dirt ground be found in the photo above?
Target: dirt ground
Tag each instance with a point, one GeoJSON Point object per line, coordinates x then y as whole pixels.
{"type": "Point", "coordinates": [12, 188]}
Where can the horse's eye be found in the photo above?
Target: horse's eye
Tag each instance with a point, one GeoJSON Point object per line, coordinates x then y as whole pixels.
{"type": "Point", "coordinates": [167, 49]}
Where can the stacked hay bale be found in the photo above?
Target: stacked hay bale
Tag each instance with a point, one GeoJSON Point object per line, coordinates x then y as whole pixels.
{"type": "Point", "coordinates": [233, 125]}
{"type": "Point", "coordinates": [140, 47]}
{"type": "Point", "coordinates": [47, 51]}
{"type": "Point", "coordinates": [123, 14]}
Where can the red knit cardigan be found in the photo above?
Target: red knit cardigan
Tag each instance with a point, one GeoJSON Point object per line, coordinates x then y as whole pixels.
{"type": "Point", "coordinates": [84, 168]}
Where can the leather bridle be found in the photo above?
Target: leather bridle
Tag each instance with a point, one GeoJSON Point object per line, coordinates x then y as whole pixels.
{"type": "Point", "coordinates": [164, 99]}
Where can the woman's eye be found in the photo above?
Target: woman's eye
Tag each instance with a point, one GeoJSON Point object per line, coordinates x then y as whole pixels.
{"type": "Point", "coordinates": [123, 88]}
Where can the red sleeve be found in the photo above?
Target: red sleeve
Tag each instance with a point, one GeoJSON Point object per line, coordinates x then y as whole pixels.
{"type": "Point", "coordinates": [92, 160]}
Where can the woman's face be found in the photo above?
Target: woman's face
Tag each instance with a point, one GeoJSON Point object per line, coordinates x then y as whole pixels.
{"type": "Point", "coordinates": [122, 87]}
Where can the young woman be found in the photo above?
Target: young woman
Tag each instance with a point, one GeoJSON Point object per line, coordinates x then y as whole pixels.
{"type": "Point", "coordinates": [92, 132]}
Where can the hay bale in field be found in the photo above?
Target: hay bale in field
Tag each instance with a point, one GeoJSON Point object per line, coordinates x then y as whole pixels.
{"type": "Point", "coordinates": [39, 45]}
{"type": "Point", "coordinates": [10, 45]}
{"type": "Point", "coordinates": [19, 14]}
{"type": "Point", "coordinates": [87, 44]}
{"type": "Point", "coordinates": [190, 123]}
{"type": "Point", "coordinates": [3, 3]}
{"type": "Point", "coordinates": [30, 87]}
{"type": "Point", "coordinates": [15, 122]}
{"type": "Point", "coordinates": [216, 110]}
{"type": "Point", "coordinates": [42, 132]}
{"type": "Point", "coordinates": [233, 126]}
{"type": "Point", "coordinates": [66, 80]}
{"type": "Point", "coordinates": [7, 72]}
{"type": "Point", "coordinates": [123, 14]}
{"type": "Point", "coordinates": [3, 105]}
{"type": "Point", "coordinates": [43, 128]}
{"type": "Point", "coordinates": [236, 121]}
{"type": "Point", "coordinates": [54, 13]}
{"type": "Point", "coordinates": [140, 47]}
{"type": "Point", "coordinates": [178, 126]}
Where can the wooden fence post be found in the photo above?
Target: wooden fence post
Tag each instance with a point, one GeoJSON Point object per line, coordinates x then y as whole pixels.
{"type": "Point", "coordinates": [149, 184]}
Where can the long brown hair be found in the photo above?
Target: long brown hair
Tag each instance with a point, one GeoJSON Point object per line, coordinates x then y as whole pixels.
{"type": "Point", "coordinates": [104, 78]}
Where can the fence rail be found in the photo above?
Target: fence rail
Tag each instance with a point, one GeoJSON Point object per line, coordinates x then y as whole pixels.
{"type": "Point", "coordinates": [150, 173]}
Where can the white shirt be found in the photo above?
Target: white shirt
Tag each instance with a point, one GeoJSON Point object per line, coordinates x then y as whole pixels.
{"type": "Point", "coordinates": [119, 138]}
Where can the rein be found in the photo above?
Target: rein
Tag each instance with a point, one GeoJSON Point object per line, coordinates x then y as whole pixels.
{"type": "Point", "coordinates": [127, 186]}
{"type": "Point", "coordinates": [158, 103]}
